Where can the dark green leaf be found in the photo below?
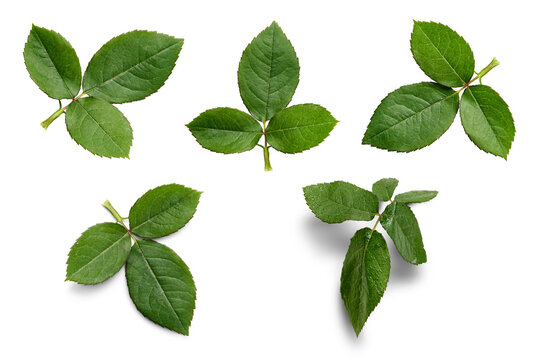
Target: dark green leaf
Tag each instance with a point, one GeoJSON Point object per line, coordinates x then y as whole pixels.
{"type": "Point", "coordinates": [98, 254]}
{"type": "Point", "coordinates": [226, 130]}
{"type": "Point", "coordinates": [52, 63]}
{"type": "Point", "coordinates": [401, 225]}
{"type": "Point", "coordinates": [161, 285]}
{"type": "Point", "coordinates": [163, 210]}
{"type": "Point", "coordinates": [268, 73]}
{"type": "Point", "coordinates": [487, 120]}
{"type": "Point", "coordinates": [299, 128]}
{"type": "Point", "coordinates": [131, 66]}
{"type": "Point", "coordinates": [364, 276]}
{"type": "Point", "coordinates": [339, 201]}
{"type": "Point", "coordinates": [99, 127]}
{"type": "Point", "coordinates": [384, 188]}
{"type": "Point", "coordinates": [442, 54]}
{"type": "Point", "coordinates": [417, 196]}
{"type": "Point", "coordinates": [412, 117]}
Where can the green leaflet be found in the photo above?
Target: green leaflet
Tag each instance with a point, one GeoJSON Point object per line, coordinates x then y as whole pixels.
{"type": "Point", "coordinates": [99, 253]}
{"type": "Point", "coordinates": [226, 130]}
{"type": "Point", "coordinates": [163, 210]}
{"type": "Point", "coordinates": [401, 225]}
{"type": "Point", "coordinates": [131, 66]}
{"type": "Point", "coordinates": [268, 73]}
{"type": "Point", "coordinates": [52, 63]}
{"type": "Point", "coordinates": [99, 127]}
{"type": "Point", "coordinates": [339, 201]}
{"type": "Point", "coordinates": [416, 196]}
{"type": "Point", "coordinates": [487, 120]}
{"type": "Point", "coordinates": [412, 117]}
{"type": "Point", "coordinates": [161, 285]}
{"type": "Point", "coordinates": [384, 188]}
{"type": "Point", "coordinates": [442, 54]}
{"type": "Point", "coordinates": [364, 276]}
{"type": "Point", "coordinates": [299, 128]}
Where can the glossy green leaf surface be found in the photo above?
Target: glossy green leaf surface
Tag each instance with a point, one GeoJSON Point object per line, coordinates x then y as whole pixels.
{"type": "Point", "coordinates": [161, 285]}
{"type": "Point", "coordinates": [299, 128]}
{"type": "Point", "coordinates": [487, 120]}
{"type": "Point", "coordinates": [99, 127]}
{"type": "Point", "coordinates": [364, 276]}
{"type": "Point", "coordinates": [52, 63]}
{"type": "Point", "coordinates": [416, 196]}
{"type": "Point", "coordinates": [339, 201]}
{"type": "Point", "coordinates": [163, 210]}
{"type": "Point", "coordinates": [401, 225]}
{"type": "Point", "coordinates": [268, 73]}
{"type": "Point", "coordinates": [226, 130]}
{"type": "Point", "coordinates": [442, 54]}
{"type": "Point", "coordinates": [131, 66]}
{"type": "Point", "coordinates": [384, 188]}
{"type": "Point", "coordinates": [412, 117]}
{"type": "Point", "coordinates": [98, 254]}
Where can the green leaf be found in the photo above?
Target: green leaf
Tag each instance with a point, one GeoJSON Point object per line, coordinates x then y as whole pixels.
{"type": "Point", "coordinates": [401, 225]}
{"type": "Point", "coordinates": [268, 73]}
{"type": "Point", "coordinates": [163, 210]}
{"type": "Point", "coordinates": [364, 276]}
{"type": "Point", "coordinates": [442, 54]}
{"type": "Point", "coordinates": [299, 128]}
{"type": "Point", "coordinates": [412, 117]}
{"type": "Point", "coordinates": [161, 285]}
{"type": "Point", "coordinates": [384, 188]}
{"type": "Point", "coordinates": [52, 63]}
{"type": "Point", "coordinates": [339, 201]}
{"type": "Point", "coordinates": [98, 254]}
{"type": "Point", "coordinates": [99, 127]}
{"type": "Point", "coordinates": [131, 66]}
{"type": "Point", "coordinates": [226, 130]}
{"type": "Point", "coordinates": [417, 196]}
{"type": "Point", "coordinates": [487, 120]}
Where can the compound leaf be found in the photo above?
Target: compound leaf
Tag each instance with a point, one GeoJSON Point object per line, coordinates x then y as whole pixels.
{"type": "Point", "coordinates": [339, 201]}
{"type": "Point", "coordinates": [131, 66]}
{"type": "Point", "coordinates": [161, 285]}
{"type": "Point", "coordinates": [442, 54]}
{"type": "Point", "coordinates": [487, 120]}
{"type": "Point", "coordinates": [98, 253]}
{"type": "Point", "coordinates": [99, 127]}
{"type": "Point", "coordinates": [52, 63]}
{"type": "Point", "coordinates": [384, 188]}
{"type": "Point", "coordinates": [163, 210]}
{"type": "Point", "coordinates": [401, 225]}
{"type": "Point", "coordinates": [268, 73]}
{"type": "Point", "coordinates": [226, 130]}
{"type": "Point", "coordinates": [299, 128]}
{"type": "Point", "coordinates": [412, 117]}
{"type": "Point", "coordinates": [416, 196]}
{"type": "Point", "coordinates": [364, 276]}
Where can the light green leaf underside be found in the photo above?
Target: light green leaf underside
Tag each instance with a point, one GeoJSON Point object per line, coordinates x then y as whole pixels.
{"type": "Point", "coordinates": [384, 188]}
{"type": "Point", "coordinates": [442, 54]}
{"type": "Point", "coordinates": [412, 117]}
{"type": "Point", "coordinates": [52, 63]}
{"type": "Point", "coordinates": [163, 210]}
{"type": "Point", "coordinates": [299, 128]}
{"type": "Point", "coordinates": [99, 127]}
{"type": "Point", "coordinates": [339, 201]}
{"type": "Point", "coordinates": [161, 285]}
{"type": "Point", "coordinates": [226, 130]}
{"type": "Point", "coordinates": [401, 225]}
{"type": "Point", "coordinates": [268, 73]}
{"type": "Point", "coordinates": [364, 276]}
{"type": "Point", "coordinates": [416, 196]}
{"type": "Point", "coordinates": [131, 66]}
{"type": "Point", "coordinates": [487, 120]}
{"type": "Point", "coordinates": [99, 253]}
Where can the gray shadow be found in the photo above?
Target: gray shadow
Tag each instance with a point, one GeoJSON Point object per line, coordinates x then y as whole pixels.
{"type": "Point", "coordinates": [401, 270]}
{"type": "Point", "coordinates": [85, 290]}
{"type": "Point", "coordinates": [334, 238]}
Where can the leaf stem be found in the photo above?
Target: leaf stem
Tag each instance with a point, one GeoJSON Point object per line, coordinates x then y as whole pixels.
{"type": "Point", "coordinates": [45, 124]}
{"type": "Point", "coordinates": [482, 73]}
{"type": "Point", "coordinates": [107, 205]}
{"type": "Point", "coordinates": [267, 165]}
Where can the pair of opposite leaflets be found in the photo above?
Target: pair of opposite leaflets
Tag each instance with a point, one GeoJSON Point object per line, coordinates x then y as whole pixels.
{"type": "Point", "coordinates": [135, 65]}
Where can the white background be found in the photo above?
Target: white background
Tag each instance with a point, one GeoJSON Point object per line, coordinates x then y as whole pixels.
{"type": "Point", "coordinates": [267, 271]}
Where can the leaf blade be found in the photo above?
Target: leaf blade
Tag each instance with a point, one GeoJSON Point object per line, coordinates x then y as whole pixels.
{"type": "Point", "coordinates": [416, 196]}
{"type": "Point", "coordinates": [384, 188]}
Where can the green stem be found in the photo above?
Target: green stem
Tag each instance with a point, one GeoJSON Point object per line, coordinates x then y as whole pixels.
{"type": "Point", "coordinates": [489, 67]}
{"type": "Point", "coordinates": [45, 124]}
{"type": "Point", "coordinates": [107, 205]}
{"type": "Point", "coordinates": [267, 165]}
